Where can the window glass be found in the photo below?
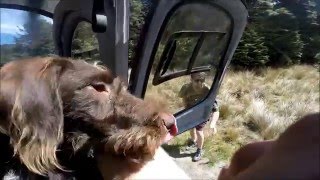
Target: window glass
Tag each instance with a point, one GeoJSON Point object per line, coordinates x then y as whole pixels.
{"type": "Point", "coordinates": [188, 56]}
{"type": "Point", "coordinates": [85, 43]}
{"type": "Point", "coordinates": [181, 50]}
{"type": "Point", "coordinates": [138, 12]}
{"type": "Point", "coordinates": [24, 34]}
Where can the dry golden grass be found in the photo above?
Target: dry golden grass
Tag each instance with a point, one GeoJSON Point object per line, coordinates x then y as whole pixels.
{"type": "Point", "coordinates": [253, 106]}
{"type": "Point", "coordinates": [274, 100]}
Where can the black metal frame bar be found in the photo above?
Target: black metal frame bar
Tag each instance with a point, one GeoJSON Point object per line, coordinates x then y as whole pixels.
{"type": "Point", "coordinates": [160, 76]}
{"type": "Point", "coordinates": [46, 8]}
{"type": "Point", "coordinates": [26, 8]}
{"type": "Point", "coordinates": [113, 42]}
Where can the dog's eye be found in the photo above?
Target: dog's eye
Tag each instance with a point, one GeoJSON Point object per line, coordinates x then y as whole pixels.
{"type": "Point", "coordinates": [100, 87]}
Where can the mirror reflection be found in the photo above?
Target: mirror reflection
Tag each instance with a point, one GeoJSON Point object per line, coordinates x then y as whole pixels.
{"type": "Point", "coordinates": [188, 56]}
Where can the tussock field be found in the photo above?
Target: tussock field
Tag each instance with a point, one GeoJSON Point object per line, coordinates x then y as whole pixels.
{"type": "Point", "coordinates": [253, 106]}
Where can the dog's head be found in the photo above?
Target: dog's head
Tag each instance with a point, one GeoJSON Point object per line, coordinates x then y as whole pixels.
{"type": "Point", "coordinates": [45, 100]}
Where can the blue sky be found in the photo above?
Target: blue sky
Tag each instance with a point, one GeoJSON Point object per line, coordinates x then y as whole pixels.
{"type": "Point", "coordinates": [11, 20]}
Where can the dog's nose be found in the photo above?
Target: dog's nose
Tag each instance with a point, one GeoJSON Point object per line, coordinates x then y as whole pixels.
{"type": "Point", "coordinates": [170, 122]}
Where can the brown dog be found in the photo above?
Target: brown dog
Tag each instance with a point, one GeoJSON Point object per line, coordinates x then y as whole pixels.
{"type": "Point", "coordinates": [46, 103]}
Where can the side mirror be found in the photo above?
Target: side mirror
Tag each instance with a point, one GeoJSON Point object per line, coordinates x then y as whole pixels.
{"type": "Point", "coordinates": [182, 38]}
{"type": "Point", "coordinates": [166, 70]}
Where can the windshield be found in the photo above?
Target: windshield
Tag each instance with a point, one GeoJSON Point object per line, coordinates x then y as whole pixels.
{"type": "Point", "coordinates": [25, 34]}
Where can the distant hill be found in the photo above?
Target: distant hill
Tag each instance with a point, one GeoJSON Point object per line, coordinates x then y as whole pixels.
{"type": "Point", "coordinates": [6, 38]}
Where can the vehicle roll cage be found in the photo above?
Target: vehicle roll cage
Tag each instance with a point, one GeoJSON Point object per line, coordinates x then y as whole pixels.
{"type": "Point", "coordinates": [110, 22]}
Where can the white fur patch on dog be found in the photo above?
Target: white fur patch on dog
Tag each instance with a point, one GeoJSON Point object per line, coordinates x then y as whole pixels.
{"type": "Point", "coordinates": [11, 176]}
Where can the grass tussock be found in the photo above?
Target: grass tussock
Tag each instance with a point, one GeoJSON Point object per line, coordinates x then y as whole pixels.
{"type": "Point", "coordinates": [253, 106]}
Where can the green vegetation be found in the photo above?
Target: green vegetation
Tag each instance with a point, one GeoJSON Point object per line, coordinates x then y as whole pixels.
{"type": "Point", "coordinates": [85, 44]}
{"type": "Point", "coordinates": [254, 106]}
{"type": "Point", "coordinates": [289, 30]}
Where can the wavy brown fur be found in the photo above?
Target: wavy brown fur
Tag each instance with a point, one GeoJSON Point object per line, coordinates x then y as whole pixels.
{"type": "Point", "coordinates": [49, 103]}
{"type": "Point", "coordinates": [36, 121]}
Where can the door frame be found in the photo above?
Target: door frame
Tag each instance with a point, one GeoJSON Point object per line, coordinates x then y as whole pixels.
{"type": "Point", "coordinates": [147, 48]}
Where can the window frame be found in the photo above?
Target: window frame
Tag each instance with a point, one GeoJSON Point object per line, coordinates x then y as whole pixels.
{"type": "Point", "coordinates": [160, 76]}
{"type": "Point", "coordinates": [156, 22]}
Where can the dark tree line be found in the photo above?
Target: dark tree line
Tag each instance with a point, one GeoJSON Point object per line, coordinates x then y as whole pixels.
{"type": "Point", "coordinates": [280, 32]}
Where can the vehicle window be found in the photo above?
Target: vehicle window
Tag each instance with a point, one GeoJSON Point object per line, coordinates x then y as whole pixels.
{"type": "Point", "coordinates": [138, 12]}
{"type": "Point", "coordinates": [24, 34]}
{"type": "Point", "coordinates": [85, 43]}
{"type": "Point", "coordinates": [187, 51]}
{"type": "Point", "coordinates": [189, 45]}
{"type": "Point", "coordinates": [181, 51]}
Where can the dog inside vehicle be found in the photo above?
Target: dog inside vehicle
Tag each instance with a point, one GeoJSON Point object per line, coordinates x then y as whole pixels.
{"type": "Point", "coordinates": [64, 118]}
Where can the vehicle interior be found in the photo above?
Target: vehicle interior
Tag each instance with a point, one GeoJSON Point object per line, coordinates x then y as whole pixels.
{"type": "Point", "coordinates": [150, 54]}
{"type": "Point", "coordinates": [156, 45]}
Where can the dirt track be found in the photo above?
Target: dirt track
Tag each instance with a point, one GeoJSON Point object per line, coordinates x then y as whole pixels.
{"type": "Point", "coordinates": [196, 170]}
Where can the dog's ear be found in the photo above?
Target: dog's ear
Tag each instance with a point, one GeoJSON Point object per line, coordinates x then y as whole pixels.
{"type": "Point", "coordinates": [37, 124]}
